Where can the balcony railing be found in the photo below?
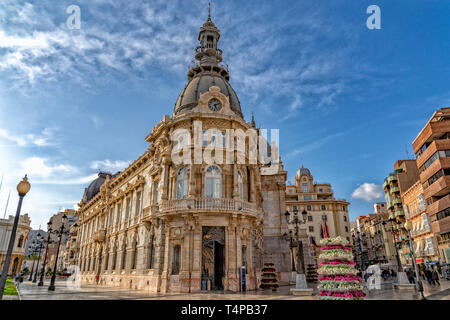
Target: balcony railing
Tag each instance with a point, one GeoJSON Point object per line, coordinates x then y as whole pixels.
{"type": "Point", "coordinates": [420, 231]}
{"type": "Point", "coordinates": [208, 204]}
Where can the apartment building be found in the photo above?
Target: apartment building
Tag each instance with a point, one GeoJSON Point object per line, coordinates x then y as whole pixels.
{"type": "Point", "coordinates": [432, 150]}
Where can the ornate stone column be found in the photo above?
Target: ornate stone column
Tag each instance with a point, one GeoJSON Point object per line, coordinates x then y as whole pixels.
{"type": "Point", "coordinates": [165, 272]}
{"type": "Point", "coordinates": [196, 276]}
{"type": "Point", "coordinates": [185, 256]}
{"type": "Point", "coordinates": [235, 183]}
{"type": "Point", "coordinates": [191, 191]}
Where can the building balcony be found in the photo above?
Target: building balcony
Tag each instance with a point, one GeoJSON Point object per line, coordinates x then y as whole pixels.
{"type": "Point", "coordinates": [395, 189]}
{"type": "Point", "coordinates": [427, 252]}
{"type": "Point", "coordinates": [208, 204]}
{"type": "Point", "coordinates": [443, 242]}
{"type": "Point", "coordinates": [437, 165]}
{"type": "Point", "coordinates": [441, 226]}
{"type": "Point", "coordinates": [100, 235]}
{"type": "Point", "coordinates": [385, 184]}
{"type": "Point", "coordinates": [440, 187]}
{"type": "Point", "coordinates": [416, 233]}
{"type": "Point", "coordinates": [438, 205]}
{"type": "Point", "coordinates": [399, 213]}
{"type": "Point", "coordinates": [436, 145]}
{"type": "Point", "coordinates": [397, 200]}
{"type": "Point", "coordinates": [391, 178]}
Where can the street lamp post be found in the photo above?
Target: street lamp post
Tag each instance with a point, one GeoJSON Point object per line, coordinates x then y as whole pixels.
{"type": "Point", "coordinates": [33, 250]}
{"type": "Point", "coordinates": [59, 232]}
{"type": "Point", "coordinates": [419, 286]}
{"type": "Point", "coordinates": [296, 222]}
{"type": "Point", "coordinates": [44, 264]}
{"type": "Point", "coordinates": [22, 188]}
{"type": "Point", "coordinates": [397, 256]}
{"type": "Point", "coordinates": [41, 242]}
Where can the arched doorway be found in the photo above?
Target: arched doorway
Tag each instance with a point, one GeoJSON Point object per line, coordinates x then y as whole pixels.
{"type": "Point", "coordinates": [213, 257]}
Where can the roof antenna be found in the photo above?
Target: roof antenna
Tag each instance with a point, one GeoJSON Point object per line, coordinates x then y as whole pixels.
{"type": "Point", "coordinates": [407, 153]}
{"type": "Point", "coordinates": [253, 120]}
{"type": "Point", "coordinates": [7, 203]}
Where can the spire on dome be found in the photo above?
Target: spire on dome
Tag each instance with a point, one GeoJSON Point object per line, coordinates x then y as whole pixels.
{"type": "Point", "coordinates": [208, 53]}
{"type": "Point", "coordinates": [209, 11]}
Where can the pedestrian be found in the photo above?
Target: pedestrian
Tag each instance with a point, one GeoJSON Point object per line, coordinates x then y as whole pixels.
{"type": "Point", "coordinates": [410, 276]}
{"type": "Point", "coordinates": [392, 274]}
{"type": "Point", "coordinates": [429, 276]}
{"type": "Point", "coordinates": [435, 276]}
{"type": "Point", "coordinates": [422, 274]}
{"type": "Point", "coordinates": [366, 276]}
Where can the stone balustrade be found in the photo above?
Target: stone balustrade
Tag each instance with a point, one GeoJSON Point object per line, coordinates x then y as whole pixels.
{"type": "Point", "coordinates": [207, 204]}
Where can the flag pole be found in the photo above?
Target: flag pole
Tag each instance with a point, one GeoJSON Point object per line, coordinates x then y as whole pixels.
{"type": "Point", "coordinates": [6, 208]}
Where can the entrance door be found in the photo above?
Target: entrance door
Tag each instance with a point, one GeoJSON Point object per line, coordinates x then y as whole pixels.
{"type": "Point", "coordinates": [213, 257]}
{"type": "Point", "coordinates": [219, 265]}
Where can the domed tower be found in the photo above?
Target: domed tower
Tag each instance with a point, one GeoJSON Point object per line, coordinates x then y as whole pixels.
{"type": "Point", "coordinates": [207, 72]}
{"type": "Point", "coordinates": [304, 180]}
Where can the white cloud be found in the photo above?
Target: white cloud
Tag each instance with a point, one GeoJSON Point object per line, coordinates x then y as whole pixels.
{"type": "Point", "coordinates": [37, 167]}
{"type": "Point", "coordinates": [108, 165]}
{"type": "Point", "coordinates": [368, 192]}
{"type": "Point", "coordinates": [41, 140]}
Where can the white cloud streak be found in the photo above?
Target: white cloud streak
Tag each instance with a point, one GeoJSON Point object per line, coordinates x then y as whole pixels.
{"type": "Point", "coordinates": [368, 192]}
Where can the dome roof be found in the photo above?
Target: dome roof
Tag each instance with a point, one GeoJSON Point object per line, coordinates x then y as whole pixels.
{"type": "Point", "coordinates": [95, 185]}
{"type": "Point", "coordinates": [200, 83]}
{"type": "Point", "coordinates": [303, 171]}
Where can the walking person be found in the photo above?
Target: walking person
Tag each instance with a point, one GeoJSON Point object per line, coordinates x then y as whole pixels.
{"type": "Point", "coordinates": [410, 275]}
{"type": "Point", "coordinates": [429, 276]}
{"type": "Point", "coordinates": [435, 276]}
{"type": "Point", "coordinates": [422, 274]}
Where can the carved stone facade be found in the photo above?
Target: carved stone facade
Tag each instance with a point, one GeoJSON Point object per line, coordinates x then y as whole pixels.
{"type": "Point", "coordinates": [165, 226]}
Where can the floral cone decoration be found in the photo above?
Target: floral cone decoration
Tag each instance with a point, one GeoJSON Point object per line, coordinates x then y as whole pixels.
{"type": "Point", "coordinates": [337, 272]}
{"type": "Point", "coordinates": [269, 277]}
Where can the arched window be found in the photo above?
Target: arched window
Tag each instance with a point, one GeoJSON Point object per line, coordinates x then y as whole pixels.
{"type": "Point", "coordinates": [182, 183]}
{"type": "Point", "coordinates": [241, 186]}
{"type": "Point", "coordinates": [213, 182]}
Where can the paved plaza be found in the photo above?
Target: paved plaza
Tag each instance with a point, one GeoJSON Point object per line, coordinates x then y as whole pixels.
{"type": "Point", "coordinates": [30, 291]}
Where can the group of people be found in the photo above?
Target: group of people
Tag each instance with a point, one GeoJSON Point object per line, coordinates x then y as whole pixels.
{"type": "Point", "coordinates": [388, 274]}
{"type": "Point", "coordinates": [431, 275]}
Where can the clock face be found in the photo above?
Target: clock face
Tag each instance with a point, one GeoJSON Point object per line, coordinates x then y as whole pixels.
{"type": "Point", "coordinates": [214, 105]}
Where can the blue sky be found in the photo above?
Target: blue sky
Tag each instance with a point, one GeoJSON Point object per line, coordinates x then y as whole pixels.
{"type": "Point", "coordinates": [348, 101]}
